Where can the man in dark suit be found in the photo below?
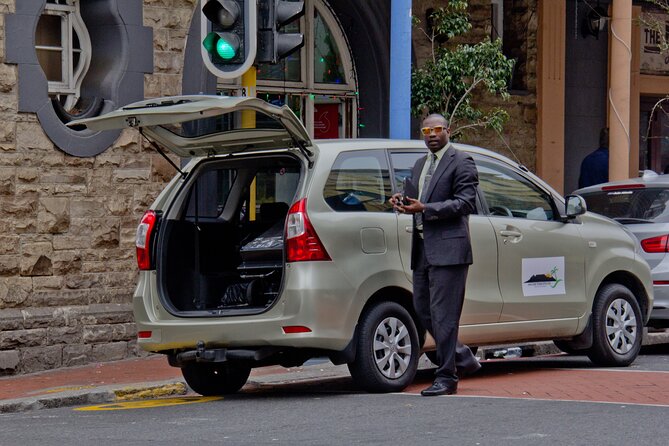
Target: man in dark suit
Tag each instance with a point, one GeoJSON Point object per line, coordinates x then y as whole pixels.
{"type": "Point", "coordinates": [445, 183]}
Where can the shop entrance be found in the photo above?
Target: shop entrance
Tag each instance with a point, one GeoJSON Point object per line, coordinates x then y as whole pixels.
{"type": "Point", "coordinates": [654, 135]}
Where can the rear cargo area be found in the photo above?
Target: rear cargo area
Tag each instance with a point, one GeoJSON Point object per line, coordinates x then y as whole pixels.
{"type": "Point", "coordinates": [221, 247]}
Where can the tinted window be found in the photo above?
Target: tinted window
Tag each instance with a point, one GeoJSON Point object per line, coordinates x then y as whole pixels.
{"type": "Point", "coordinates": [509, 194]}
{"type": "Point", "coordinates": [402, 165]}
{"type": "Point", "coordinates": [359, 181]}
{"type": "Point", "coordinates": [632, 205]}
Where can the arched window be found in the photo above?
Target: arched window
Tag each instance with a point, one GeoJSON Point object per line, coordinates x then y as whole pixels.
{"type": "Point", "coordinates": [318, 82]}
{"type": "Point", "coordinates": [63, 48]}
{"type": "Point", "coordinates": [78, 58]}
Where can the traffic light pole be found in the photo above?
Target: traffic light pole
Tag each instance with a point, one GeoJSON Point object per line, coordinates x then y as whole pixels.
{"type": "Point", "coordinates": [249, 81]}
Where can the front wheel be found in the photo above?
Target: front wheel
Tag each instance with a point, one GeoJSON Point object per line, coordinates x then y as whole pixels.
{"type": "Point", "coordinates": [617, 325]}
{"type": "Point", "coordinates": [387, 350]}
{"type": "Point", "coordinates": [216, 378]}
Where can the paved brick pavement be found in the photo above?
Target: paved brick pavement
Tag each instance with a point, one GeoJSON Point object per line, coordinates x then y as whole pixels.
{"type": "Point", "coordinates": [625, 386]}
{"type": "Point", "coordinates": [153, 368]}
{"type": "Point", "coordinates": [547, 377]}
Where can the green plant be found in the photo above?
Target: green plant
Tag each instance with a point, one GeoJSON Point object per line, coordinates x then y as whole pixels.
{"type": "Point", "coordinates": [446, 83]}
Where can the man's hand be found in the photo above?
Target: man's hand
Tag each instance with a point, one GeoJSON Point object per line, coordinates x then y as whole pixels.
{"type": "Point", "coordinates": [412, 207]}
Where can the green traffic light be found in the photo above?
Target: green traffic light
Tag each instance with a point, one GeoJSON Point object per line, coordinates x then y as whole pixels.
{"type": "Point", "coordinates": [209, 42]}
{"type": "Point", "coordinates": [225, 50]}
{"type": "Point", "coordinates": [223, 45]}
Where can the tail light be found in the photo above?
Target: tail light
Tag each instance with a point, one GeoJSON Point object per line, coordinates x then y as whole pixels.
{"type": "Point", "coordinates": [656, 244]}
{"type": "Point", "coordinates": [623, 187]}
{"type": "Point", "coordinates": [302, 242]}
{"type": "Point", "coordinates": [143, 240]}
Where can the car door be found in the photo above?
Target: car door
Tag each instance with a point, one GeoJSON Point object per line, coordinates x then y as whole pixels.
{"type": "Point", "coordinates": [483, 302]}
{"type": "Point", "coordinates": [359, 226]}
{"type": "Point", "coordinates": [540, 259]}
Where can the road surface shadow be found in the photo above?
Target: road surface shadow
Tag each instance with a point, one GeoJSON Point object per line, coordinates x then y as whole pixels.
{"type": "Point", "coordinates": [491, 368]}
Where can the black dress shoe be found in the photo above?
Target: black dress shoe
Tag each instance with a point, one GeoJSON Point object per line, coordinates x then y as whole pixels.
{"type": "Point", "coordinates": [440, 388]}
{"type": "Point", "coordinates": [470, 369]}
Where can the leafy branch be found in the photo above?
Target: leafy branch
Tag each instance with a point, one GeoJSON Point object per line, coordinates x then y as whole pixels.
{"type": "Point", "coordinates": [446, 83]}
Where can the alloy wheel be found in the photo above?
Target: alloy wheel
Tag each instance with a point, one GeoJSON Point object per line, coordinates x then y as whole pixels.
{"type": "Point", "coordinates": [392, 347]}
{"type": "Point", "coordinates": [621, 326]}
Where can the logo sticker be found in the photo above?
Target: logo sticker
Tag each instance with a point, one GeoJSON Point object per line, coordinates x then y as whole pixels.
{"type": "Point", "coordinates": [543, 276]}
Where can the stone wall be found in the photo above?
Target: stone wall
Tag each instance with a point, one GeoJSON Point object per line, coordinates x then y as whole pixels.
{"type": "Point", "coordinates": [518, 140]}
{"type": "Point", "coordinates": [67, 224]}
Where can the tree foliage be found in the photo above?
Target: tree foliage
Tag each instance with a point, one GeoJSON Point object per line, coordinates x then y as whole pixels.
{"type": "Point", "coordinates": [445, 83]}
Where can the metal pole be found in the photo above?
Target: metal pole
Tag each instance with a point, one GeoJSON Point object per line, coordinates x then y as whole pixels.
{"type": "Point", "coordinates": [400, 69]}
{"type": "Point", "coordinates": [249, 82]}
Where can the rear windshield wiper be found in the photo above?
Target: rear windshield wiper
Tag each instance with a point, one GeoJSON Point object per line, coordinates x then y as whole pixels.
{"type": "Point", "coordinates": [631, 221]}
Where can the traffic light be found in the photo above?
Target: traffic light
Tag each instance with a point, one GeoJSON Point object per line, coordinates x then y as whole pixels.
{"type": "Point", "coordinates": [229, 36]}
{"type": "Point", "coordinates": [274, 45]}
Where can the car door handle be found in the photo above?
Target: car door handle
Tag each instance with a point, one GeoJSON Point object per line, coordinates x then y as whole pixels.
{"type": "Point", "coordinates": [409, 229]}
{"type": "Point", "coordinates": [511, 235]}
{"type": "Point", "coordinates": [508, 233]}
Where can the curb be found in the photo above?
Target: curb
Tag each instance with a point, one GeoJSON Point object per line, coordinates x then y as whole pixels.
{"type": "Point", "coordinates": [151, 390]}
{"type": "Point", "coordinates": [96, 396]}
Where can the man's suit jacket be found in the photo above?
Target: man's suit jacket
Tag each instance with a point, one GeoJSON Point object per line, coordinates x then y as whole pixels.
{"type": "Point", "coordinates": [450, 198]}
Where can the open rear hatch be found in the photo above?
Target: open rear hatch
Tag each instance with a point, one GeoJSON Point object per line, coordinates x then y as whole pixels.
{"type": "Point", "coordinates": [220, 243]}
{"type": "Point", "coordinates": [201, 125]}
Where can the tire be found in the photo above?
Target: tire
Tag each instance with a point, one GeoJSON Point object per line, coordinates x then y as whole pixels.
{"type": "Point", "coordinates": [617, 327]}
{"type": "Point", "coordinates": [210, 379]}
{"type": "Point", "coordinates": [387, 349]}
{"type": "Point", "coordinates": [432, 354]}
{"type": "Point", "coordinates": [566, 347]}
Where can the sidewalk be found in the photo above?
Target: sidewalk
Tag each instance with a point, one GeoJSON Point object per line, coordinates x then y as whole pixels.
{"type": "Point", "coordinates": [152, 377]}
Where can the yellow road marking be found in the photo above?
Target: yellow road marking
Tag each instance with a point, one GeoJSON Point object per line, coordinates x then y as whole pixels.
{"type": "Point", "coordinates": [162, 402]}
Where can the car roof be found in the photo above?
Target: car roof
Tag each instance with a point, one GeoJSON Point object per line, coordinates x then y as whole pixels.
{"type": "Point", "coordinates": [380, 143]}
{"type": "Point", "coordinates": [649, 179]}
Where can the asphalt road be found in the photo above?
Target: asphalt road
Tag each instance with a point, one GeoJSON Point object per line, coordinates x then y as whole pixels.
{"type": "Point", "coordinates": [333, 412]}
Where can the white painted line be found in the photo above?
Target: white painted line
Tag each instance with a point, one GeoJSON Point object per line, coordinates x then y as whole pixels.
{"type": "Point", "coordinates": [536, 399]}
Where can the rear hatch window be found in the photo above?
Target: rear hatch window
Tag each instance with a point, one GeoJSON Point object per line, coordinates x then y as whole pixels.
{"type": "Point", "coordinates": [631, 206]}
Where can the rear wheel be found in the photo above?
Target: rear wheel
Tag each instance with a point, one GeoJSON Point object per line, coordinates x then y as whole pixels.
{"type": "Point", "coordinates": [617, 325]}
{"type": "Point", "coordinates": [211, 379]}
{"type": "Point", "coordinates": [387, 350]}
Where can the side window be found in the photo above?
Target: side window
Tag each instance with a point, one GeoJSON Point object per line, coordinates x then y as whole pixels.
{"type": "Point", "coordinates": [402, 163]}
{"type": "Point", "coordinates": [209, 193]}
{"type": "Point", "coordinates": [509, 194]}
{"type": "Point", "coordinates": [275, 189]}
{"type": "Point", "coordinates": [359, 181]}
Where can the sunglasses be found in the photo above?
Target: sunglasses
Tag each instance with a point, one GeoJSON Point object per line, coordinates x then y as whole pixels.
{"type": "Point", "coordinates": [437, 129]}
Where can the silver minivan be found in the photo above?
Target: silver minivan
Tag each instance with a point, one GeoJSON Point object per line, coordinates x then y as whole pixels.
{"type": "Point", "coordinates": [270, 248]}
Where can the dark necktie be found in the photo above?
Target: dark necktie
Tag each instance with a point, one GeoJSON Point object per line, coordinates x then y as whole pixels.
{"type": "Point", "coordinates": [432, 160]}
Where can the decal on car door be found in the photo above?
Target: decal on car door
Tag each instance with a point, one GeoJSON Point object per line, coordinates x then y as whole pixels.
{"type": "Point", "coordinates": [543, 276]}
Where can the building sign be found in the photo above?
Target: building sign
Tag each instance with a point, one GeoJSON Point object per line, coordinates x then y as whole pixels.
{"type": "Point", "coordinates": [326, 121]}
{"type": "Point", "coordinates": [654, 61]}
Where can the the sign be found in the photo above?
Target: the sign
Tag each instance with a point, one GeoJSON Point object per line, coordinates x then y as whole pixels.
{"type": "Point", "coordinates": [543, 276]}
{"type": "Point", "coordinates": [326, 121]}
{"type": "Point", "coordinates": [653, 60]}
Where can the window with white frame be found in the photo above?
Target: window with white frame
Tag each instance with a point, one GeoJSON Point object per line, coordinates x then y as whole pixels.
{"type": "Point", "coordinates": [63, 48]}
{"type": "Point", "coordinates": [318, 82]}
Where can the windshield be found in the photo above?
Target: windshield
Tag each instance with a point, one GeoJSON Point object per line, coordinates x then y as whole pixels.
{"type": "Point", "coordinates": [630, 206]}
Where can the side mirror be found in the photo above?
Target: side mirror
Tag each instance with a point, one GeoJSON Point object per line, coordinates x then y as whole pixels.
{"type": "Point", "coordinates": [575, 206]}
